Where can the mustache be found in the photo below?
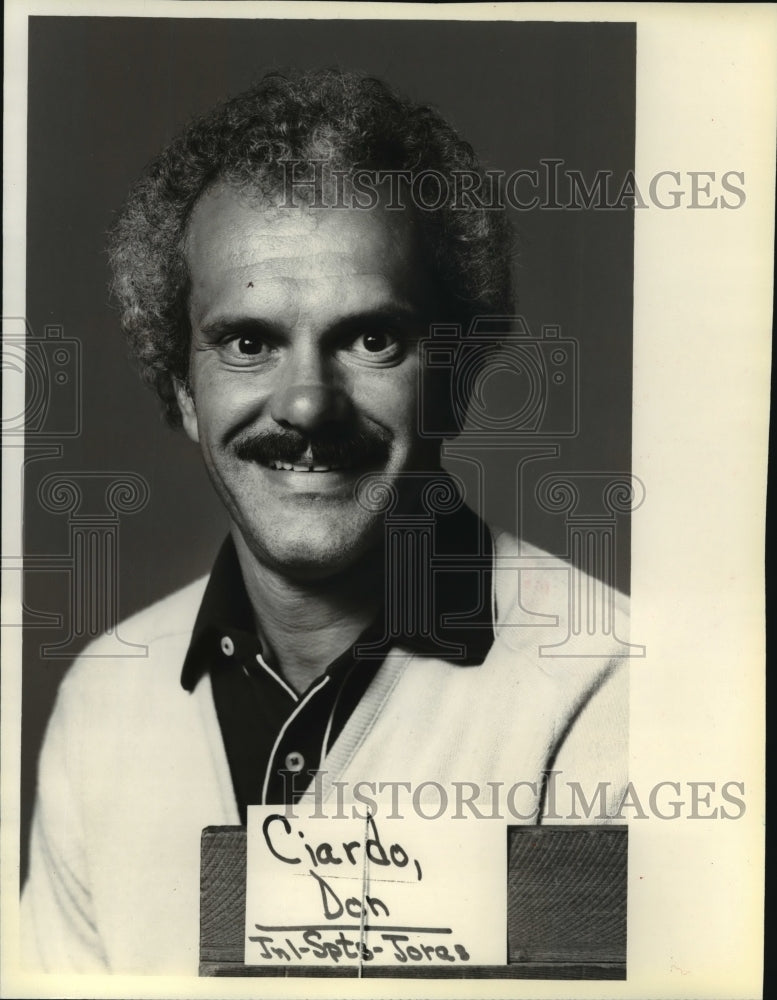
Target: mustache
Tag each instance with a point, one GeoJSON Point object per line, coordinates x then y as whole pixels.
{"type": "Point", "coordinates": [341, 447]}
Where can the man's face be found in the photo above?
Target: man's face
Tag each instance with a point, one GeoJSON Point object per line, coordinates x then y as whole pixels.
{"type": "Point", "coordinates": [303, 371]}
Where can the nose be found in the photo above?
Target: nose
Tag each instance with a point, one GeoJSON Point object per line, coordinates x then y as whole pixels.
{"type": "Point", "coordinates": [307, 398]}
{"type": "Point", "coordinates": [307, 407]}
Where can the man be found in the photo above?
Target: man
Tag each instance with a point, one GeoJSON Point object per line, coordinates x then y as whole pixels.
{"type": "Point", "coordinates": [275, 282]}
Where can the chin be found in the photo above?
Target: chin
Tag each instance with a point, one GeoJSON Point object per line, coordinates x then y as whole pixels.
{"type": "Point", "coordinates": [316, 555]}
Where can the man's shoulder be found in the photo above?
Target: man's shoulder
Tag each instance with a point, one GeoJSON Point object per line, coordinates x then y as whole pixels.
{"type": "Point", "coordinates": [150, 644]}
{"type": "Point", "coordinates": [559, 620]}
{"type": "Point", "coordinates": [525, 572]}
{"type": "Point", "coordinates": [171, 616]}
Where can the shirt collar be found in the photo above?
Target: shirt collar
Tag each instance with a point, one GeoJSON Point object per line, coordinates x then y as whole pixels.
{"type": "Point", "coordinates": [224, 609]}
{"type": "Point", "coordinates": [464, 592]}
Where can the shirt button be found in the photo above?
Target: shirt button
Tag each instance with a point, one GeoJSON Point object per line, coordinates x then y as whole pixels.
{"type": "Point", "coordinates": [294, 761]}
{"type": "Point", "coordinates": [227, 646]}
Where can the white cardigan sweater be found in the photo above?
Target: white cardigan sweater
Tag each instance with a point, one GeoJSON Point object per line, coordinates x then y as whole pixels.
{"type": "Point", "coordinates": [133, 767]}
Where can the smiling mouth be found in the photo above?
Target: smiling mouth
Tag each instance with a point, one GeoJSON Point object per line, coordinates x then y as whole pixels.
{"type": "Point", "coordinates": [344, 453]}
{"type": "Point", "coordinates": [303, 467]}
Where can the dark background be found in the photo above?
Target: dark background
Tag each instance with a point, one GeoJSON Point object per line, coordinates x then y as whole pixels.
{"type": "Point", "coordinates": [106, 94]}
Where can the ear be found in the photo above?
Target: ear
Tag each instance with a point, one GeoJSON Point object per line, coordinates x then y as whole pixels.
{"type": "Point", "coordinates": [188, 412]}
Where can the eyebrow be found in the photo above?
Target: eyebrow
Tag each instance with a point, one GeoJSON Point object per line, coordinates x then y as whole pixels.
{"type": "Point", "coordinates": [233, 325]}
{"type": "Point", "coordinates": [376, 319]}
{"type": "Point", "coordinates": [371, 319]}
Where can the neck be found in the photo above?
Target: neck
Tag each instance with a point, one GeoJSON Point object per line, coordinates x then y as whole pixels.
{"type": "Point", "coordinates": [308, 624]}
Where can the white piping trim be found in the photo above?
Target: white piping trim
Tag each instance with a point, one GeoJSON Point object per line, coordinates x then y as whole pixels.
{"type": "Point", "coordinates": [330, 720]}
{"type": "Point", "coordinates": [282, 733]}
{"type": "Point", "coordinates": [327, 732]}
{"type": "Point", "coordinates": [275, 676]}
{"type": "Point", "coordinates": [494, 608]}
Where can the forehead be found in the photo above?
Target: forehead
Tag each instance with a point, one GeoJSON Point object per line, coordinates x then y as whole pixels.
{"type": "Point", "coordinates": [240, 251]}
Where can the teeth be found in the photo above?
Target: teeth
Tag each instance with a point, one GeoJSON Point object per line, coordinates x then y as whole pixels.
{"type": "Point", "coordinates": [307, 467]}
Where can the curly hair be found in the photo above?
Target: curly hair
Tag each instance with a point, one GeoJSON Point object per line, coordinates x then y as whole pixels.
{"type": "Point", "coordinates": [352, 122]}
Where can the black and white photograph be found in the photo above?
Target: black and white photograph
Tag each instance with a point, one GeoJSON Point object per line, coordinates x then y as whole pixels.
{"type": "Point", "coordinates": [377, 537]}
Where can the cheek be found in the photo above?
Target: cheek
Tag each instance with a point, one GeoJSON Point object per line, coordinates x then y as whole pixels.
{"type": "Point", "coordinates": [224, 401]}
{"type": "Point", "coordinates": [391, 399]}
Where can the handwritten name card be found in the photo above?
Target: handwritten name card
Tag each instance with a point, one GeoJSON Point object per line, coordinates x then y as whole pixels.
{"type": "Point", "coordinates": [373, 890]}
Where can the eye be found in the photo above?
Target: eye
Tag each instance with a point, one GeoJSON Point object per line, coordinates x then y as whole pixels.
{"type": "Point", "coordinates": [249, 344]}
{"type": "Point", "coordinates": [376, 342]}
{"type": "Point", "coordinates": [378, 345]}
{"type": "Point", "coordinates": [247, 349]}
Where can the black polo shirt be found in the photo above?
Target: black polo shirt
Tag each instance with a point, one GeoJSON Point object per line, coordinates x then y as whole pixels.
{"type": "Point", "coordinates": [276, 739]}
